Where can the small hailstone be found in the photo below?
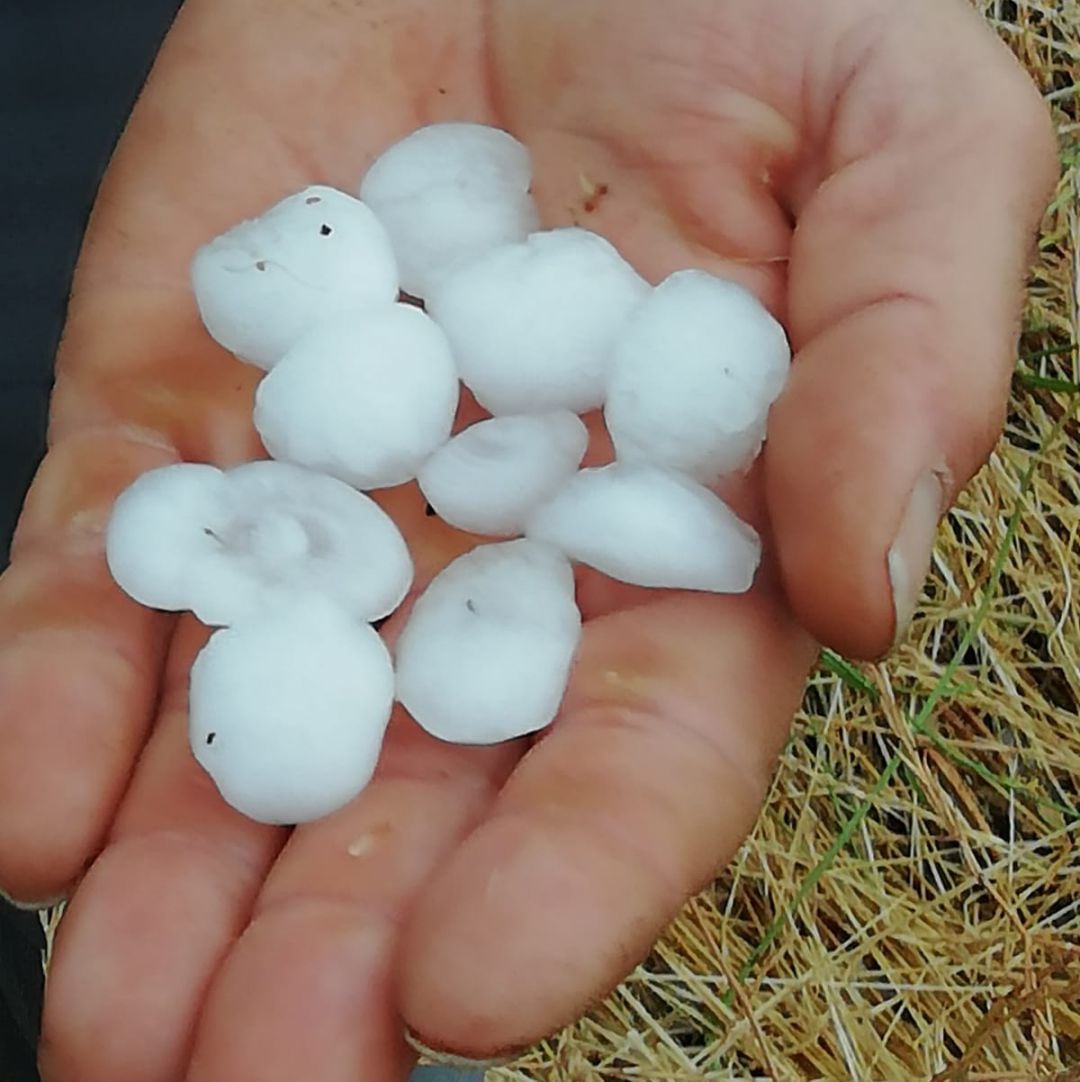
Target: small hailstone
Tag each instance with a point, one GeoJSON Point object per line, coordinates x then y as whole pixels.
{"type": "Point", "coordinates": [492, 476]}
{"type": "Point", "coordinates": [533, 324]}
{"type": "Point", "coordinates": [231, 544]}
{"type": "Point", "coordinates": [288, 712]}
{"type": "Point", "coordinates": [292, 531]}
{"type": "Point", "coordinates": [312, 256]}
{"type": "Point", "coordinates": [694, 373]}
{"type": "Point", "coordinates": [365, 398]}
{"type": "Point", "coordinates": [486, 652]}
{"type": "Point", "coordinates": [448, 192]}
{"type": "Point", "coordinates": [155, 535]}
{"type": "Point", "coordinates": [649, 526]}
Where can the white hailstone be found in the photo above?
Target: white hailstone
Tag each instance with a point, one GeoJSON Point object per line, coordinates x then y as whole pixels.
{"type": "Point", "coordinates": [312, 256]}
{"type": "Point", "coordinates": [533, 324]}
{"type": "Point", "coordinates": [492, 476]}
{"type": "Point", "coordinates": [486, 652]}
{"type": "Point", "coordinates": [694, 373]}
{"type": "Point", "coordinates": [448, 192]}
{"type": "Point", "coordinates": [650, 526]}
{"type": "Point", "coordinates": [156, 534]}
{"type": "Point", "coordinates": [291, 531]}
{"type": "Point", "coordinates": [365, 398]}
{"type": "Point", "coordinates": [288, 712]}
{"type": "Point", "coordinates": [229, 545]}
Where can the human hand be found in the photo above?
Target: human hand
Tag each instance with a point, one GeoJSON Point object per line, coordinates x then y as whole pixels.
{"type": "Point", "coordinates": [487, 895]}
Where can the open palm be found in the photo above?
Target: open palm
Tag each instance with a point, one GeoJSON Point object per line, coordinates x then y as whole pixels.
{"type": "Point", "coordinates": [485, 896]}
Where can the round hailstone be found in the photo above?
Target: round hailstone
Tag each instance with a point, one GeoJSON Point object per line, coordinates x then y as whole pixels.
{"type": "Point", "coordinates": [448, 192]}
{"type": "Point", "coordinates": [487, 649]}
{"type": "Point", "coordinates": [317, 254]}
{"type": "Point", "coordinates": [492, 476]}
{"type": "Point", "coordinates": [155, 535]}
{"type": "Point", "coordinates": [364, 398]}
{"type": "Point", "coordinates": [694, 373]}
{"type": "Point", "coordinates": [650, 526]}
{"type": "Point", "coordinates": [288, 713]}
{"type": "Point", "coordinates": [229, 545]}
{"type": "Point", "coordinates": [533, 324]}
{"type": "Point", "coordinates": [292, 532]}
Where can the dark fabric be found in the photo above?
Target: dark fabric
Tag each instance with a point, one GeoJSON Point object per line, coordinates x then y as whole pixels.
{"type": "Point", "coordinates": [69, 72]}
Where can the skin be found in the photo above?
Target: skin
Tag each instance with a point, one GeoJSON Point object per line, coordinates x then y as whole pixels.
{"type": "Point", "coordinates": [874, 170]}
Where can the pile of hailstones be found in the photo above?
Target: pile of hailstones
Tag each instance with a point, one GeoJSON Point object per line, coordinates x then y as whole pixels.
{"type": "Point", "coordinates": [290, 700]}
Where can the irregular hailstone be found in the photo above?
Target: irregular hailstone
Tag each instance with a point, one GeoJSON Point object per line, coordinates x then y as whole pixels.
{"type": "Point", "coordinates": [448, 192]}
{"type": "Point", "coordinates": [155, 534]}
{"type": "Point", "coordinates": [314, 255]}
{"type": "Point", "coordinates": [365, 398]}
{"type": "Point", "coordinates": [288, 712]}
{"type": "Point", "coordinates": [487, 649]}
{"type": "Point", "coordinates": [492, 476]}
{"type": "Point", "coordinates": [533, 324]}
{"type": "Point", "coordinates": [231, 544]}
{"type": "Point", "coordinates": [694, 373]}
{"type": "Point", "coordinates": [649, 526]}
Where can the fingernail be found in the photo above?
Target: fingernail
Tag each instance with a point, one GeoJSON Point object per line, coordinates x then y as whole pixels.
{"type": "Point", "coordinates": [449, 1059]}
{"type": "Point", "coordinates": [909, 557]}
{"type": "Point", "coordinates": [31, 907]}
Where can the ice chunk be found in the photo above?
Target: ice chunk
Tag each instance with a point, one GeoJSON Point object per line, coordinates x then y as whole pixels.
{"type": "Point", "coordinates": [363, 398]}
{"type": "Point", "coordinates": [229, 545]}
{"type": "Point", "coordinates": [694, 373]}
{"type": "Point", "coordinates": [650, 526]}
{"type": "Point", "coordinates": [156, 532]}
{"type": "Point", "coordinates": [487, 649]}
{"type": "Point", "coordinates": [448, 192]}
{"type": "Point", "coordinates": [492, 476]}
{"type": "Point", "coordinates": [312, 256]}
{"type": "Point", "coordinates": [288, 712]}
{"type": "Point", "coordinates": [532, 325]}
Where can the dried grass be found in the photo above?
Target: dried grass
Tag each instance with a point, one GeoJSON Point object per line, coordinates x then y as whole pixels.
{"type": "Point", "coordinates": [908, 906]}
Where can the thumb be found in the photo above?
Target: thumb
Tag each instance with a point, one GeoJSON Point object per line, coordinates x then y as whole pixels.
{"type": "Point", "coordinates": [906, 283]}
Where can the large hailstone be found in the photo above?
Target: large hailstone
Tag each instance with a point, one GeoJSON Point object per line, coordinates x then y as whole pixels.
{"type": "Point", "coordinates": [694, 372]}
{"type": "Point", "coordinates": [288, 711]}
{"type": "Point", "coordinates": [447, 192]}
{"type": "Point", "coordinates": [365, 398]}
{"type": "Point", "coordinates": [312, 256]}
{"type": "Point", "coordinates": [533, 324]}
{"type": "Point", "coordinates": [493, 475]}
{"type": "Point", "coordinates": [650, 526]}
{"type": "Point", "coordinates": [486, 652]}
{"type": "Point", "coordinates": [231, 544]}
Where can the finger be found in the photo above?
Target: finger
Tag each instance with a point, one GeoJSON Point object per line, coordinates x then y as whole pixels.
{"type": "Point", "coordinates": [648, 782]}
{"type": "Point", "coordinates": [905, 293]}
{"type": "Point", "coordinates": [308, 992]}
{"type": "Point", "coordinates": [79, 665]}
{"type": "Point", "coordinates": [155, 914]}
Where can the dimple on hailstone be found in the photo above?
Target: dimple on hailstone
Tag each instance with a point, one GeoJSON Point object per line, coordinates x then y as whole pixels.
{"type": "Point", "coordinates": [487, 649]}
{"type": "Point", "coordinates": [447, 192]}
{"type": "Point", "coordinates": [312, 256]}
{"type": "Point", "coordinates": [230, 545]}
{"type": "Point", "coordinates": [694, 373]}
{"type": "Point", "coordinates": [493, 475]}
{"type": "Point", "coordinates": [365, 398]}
{"type": "Point", "coordinates": [288, 712]}
{"type": "Point", "coordinates": [650, 526]}
{"type": "Point", "coordinates": [533, 324]}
